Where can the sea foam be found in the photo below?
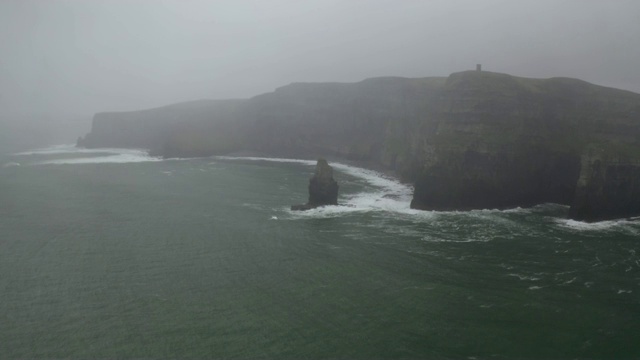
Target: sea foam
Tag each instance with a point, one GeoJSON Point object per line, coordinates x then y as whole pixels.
{"type": "Point", "coordinates": [114, 159]}
{"type": "Point", "coordinates": [596, 226]}
{"type": "Point", "coordinates": [69, 149]}
{"type": "Point", "coordinates": [385, 193]}
{"type": "Point", "coordinates": [87, 156]}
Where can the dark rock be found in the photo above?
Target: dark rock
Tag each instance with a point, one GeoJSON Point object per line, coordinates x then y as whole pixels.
{"type": "Point", "coordinates": [608, 188]}
{"type": "Point", "coordinates": [302, 207]}
{"type": "Point", "coordinates": [524, 176]}
{"type": "Point", "coordinates": [323, 189]}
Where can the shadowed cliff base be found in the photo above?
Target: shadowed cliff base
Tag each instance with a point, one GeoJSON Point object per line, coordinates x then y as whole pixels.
{"type": "Point", "coordinates": [472, 140]}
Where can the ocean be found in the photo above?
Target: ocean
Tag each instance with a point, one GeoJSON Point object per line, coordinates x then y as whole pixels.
{"type": "Point", "coordinates": [111, 253]}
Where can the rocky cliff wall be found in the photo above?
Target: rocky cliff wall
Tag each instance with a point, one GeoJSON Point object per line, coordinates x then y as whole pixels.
{"type": "Point", "coordinates": [472, 140]}
{"type": "Point", "coordinates": [608, 187]}
{"type": "Point", "coordinates": [159, 129]}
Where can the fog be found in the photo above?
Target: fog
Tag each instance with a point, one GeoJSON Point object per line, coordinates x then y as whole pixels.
{"type": "Point", "coordinates": [62, 61]}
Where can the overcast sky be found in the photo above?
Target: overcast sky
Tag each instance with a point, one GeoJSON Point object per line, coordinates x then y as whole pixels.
{"type": "Point", "coordinates": [75, 58]}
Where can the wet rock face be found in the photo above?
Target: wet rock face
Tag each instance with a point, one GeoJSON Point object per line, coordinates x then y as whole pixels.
{"type": "Point", "coordinates": [517, 176]}
{"type": "Point", "coordinates": [323, 189]}
{"type": "Point", "coordinates": [608, 188]}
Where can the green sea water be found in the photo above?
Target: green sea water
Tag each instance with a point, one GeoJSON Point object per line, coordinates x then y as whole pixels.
{"type": "Point", "coordinates": [112, 254]}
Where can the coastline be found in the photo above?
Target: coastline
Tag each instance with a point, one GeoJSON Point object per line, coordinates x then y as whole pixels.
{"type": "Point", "coordinates": [367, 165]}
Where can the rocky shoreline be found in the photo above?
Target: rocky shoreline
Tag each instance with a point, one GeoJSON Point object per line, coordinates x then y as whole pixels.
{"type": "Point", "coordinates": [472, 140]}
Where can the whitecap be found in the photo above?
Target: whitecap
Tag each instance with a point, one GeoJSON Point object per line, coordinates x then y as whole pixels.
{"type": "Point", "coordinates": [596, 226]}
{"type": "Point", "coordinates": [87, 156]}
{"type": "Point", "coordinates": [328, 211]}
{"type": "Point", "coordinates": [253, 158]}
{"type": "Point", "coordinates": [389, 195]}
{"type": "Point", "coordinates": [525, 277]}
{"type": "Point", "coordinates": [374, 178]}
{"type": "Point", "coordinates": [72, 149]}
{"type": "Point", "coordinates": [10, 164]}
{"type": "Point", "coordinates": [55, 149]}
{"type": "Point", "coordinates": [129, 157]}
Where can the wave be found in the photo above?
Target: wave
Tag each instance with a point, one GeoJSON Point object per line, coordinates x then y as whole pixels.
{"type": "Point", "coordinates": [55, 149]}
{"type": "Point", "coordinates": [87, 156]}
{"type": "Point", "coordinates": [596, 226]}
{"type": "Point", "coordinates": [71, 149]}
{"type": "Point", "coordinates": [370, 176]}
{"type": "Point", "coordinates": [253, 158]}
{"type": "Point", "coordinates": [386, 193]}
{"type": "Point", "coordinates": [113, 159]}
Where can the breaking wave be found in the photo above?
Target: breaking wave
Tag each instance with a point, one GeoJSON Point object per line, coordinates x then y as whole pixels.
{"type": "Point", "coordinates": [382, 193]}
{"type": "Point", "coordinates": [74, 155]}
{"type": "Point", "coordinates": [597, 226]}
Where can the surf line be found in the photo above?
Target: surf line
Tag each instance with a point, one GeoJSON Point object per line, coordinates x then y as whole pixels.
{"type": "Point", "coordinates": [387, 194]}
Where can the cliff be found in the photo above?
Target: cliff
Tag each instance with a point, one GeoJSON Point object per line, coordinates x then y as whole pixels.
{"type": "Point", "coordinates": [608, 186]}
{"type": "Point", "coordinates": [470, 140]}
{"type": "Point", "coordinates": [502, 141]}
{"type": "Point", "coordinates": [162, 129]}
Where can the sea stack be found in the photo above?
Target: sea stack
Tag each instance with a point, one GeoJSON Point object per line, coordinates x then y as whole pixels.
{"type": "Point", "coordinates": [323, 189]}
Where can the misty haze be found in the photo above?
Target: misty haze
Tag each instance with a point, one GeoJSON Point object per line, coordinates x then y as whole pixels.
{"type": "Point", "coordinates": [319, 179]}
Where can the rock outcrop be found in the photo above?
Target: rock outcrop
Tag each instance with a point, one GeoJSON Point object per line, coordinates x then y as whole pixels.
{"type": "Point", "coordinates": [468, 141]}
{"type": "Point", "coordinates": [323, 189]}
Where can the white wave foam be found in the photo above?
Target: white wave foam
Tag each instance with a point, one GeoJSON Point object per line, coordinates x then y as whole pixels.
{"type": "Point", "coordinates": [525, 277]}
{"type": "Point", "coordinates": [477, 239]}
{"type": "Point", "coordinates": [253, 158]}
{"type": "Point", "coordinates": [111, 159]}
{"type": "Point", "coordinates": [72, 149]}
{"type": "Point", "coordinates": [376, 179]}
{"type": "Point", "coordinates": [388, 194]}
{"type": "Point", "coordinates": [10, 164]}
{"type": "Point", "coordinates": [596, 226]}
{"type": "Point", "coordinates": [55, 149]}
{"type": "Point", "coordinates": [87, 156]}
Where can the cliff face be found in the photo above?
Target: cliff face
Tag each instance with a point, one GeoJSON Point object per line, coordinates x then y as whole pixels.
{"type": "Point", "coordinates": [501, 141]}
{"type": "Point", "coordinates": [608, 187]}
{"type": "Point", "coordinates": [174, 128]}
{"type": "Point", "coordinates": [368, 121]}
{"type": "Point", "coordinates": [506, 178]}
{"type": "Point", "coordinates": [472, 140]}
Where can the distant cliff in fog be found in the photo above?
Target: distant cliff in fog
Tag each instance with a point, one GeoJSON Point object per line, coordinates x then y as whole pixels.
{"type": "Point", "coordinates": [471, 140]}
